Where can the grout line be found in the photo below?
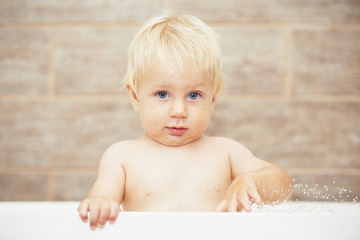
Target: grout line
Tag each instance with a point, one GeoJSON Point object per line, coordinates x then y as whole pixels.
{"type": "Point", "coordinates": [72, 98]}
{"type": "Point", "coordinates": [265, 25]}
{"type": "Point", "coordinates": [226, 98]}
{"type": "Point", "coordinates": [48, 170]}
{"type": "Point", "coordinates": [323, 171]}
{"type": "Point", "coordinates": [310, 98]}
{"type": "Point", "coordinates": [71, 24]}
{"type": "Point", "coordinates": [295, 26]}
{"type": "Point", "coordinates": [288, 63]}
{"type": "Point", "coordinates": [50, 187]}
{"type": "Point", "coordinates": [52, 64]}
{"type": "Point", "coordinates": [326, 98]}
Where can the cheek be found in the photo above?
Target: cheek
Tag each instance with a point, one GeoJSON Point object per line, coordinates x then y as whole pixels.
{"type": "Point", "coordinates": [202, 117]}
{"type": "Point", "coordinates": [150, 116]}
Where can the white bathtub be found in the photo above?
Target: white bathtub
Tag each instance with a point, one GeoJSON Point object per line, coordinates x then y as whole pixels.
{"type": "Point", "coordinates": [60, 220]}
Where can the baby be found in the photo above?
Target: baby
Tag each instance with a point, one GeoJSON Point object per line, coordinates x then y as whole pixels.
{"type": "Point", "coordinates": [174, 79]}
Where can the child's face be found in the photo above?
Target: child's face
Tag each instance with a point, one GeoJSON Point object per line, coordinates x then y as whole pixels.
{"type": "Point", "coordinates": [174, 109]}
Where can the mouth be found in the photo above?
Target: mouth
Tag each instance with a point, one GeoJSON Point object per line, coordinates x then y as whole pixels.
{"type": "Point", "coordinates": [176, 131]}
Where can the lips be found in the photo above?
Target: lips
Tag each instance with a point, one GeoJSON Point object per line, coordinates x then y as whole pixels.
{"type": "Point", "coordinates": [176, 131]}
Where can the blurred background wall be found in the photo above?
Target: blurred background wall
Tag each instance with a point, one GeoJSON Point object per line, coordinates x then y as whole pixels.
{"type": "Point", "coordinates": [292, 75]}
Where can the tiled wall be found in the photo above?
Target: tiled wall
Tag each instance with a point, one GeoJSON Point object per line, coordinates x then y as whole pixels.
{"type": "Point", "coordinates": [292, 72]}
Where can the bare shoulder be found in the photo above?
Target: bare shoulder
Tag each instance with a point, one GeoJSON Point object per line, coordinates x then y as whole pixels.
{"type": "Point", "coordinates": [121, 146]}
{"type": "Point", "coordinates": [228, 144]}
{"type": "Point", "coordinates": [241, 158]}
{"type": "Point", "coordinates": [119, 151]}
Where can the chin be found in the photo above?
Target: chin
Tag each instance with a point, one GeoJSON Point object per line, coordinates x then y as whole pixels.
{"type": "Point", "coordinates": [177, 142]}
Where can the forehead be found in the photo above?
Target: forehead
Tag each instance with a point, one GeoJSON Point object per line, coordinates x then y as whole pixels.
{"type": "Point", "coordinates": [170, 74]}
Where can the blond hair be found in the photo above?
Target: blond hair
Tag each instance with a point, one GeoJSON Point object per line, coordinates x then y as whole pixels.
{"type": "Point", "coordinates": [175, 37]}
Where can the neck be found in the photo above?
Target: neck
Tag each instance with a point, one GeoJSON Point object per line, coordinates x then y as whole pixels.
{"type": "Point", "coordinates": [146, 138]}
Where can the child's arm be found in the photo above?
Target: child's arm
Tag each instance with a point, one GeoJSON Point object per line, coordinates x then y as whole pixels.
{"type": "Point", "coordinates": [103, 201]}
{"type": "Point", "coordinates": [254, 180]}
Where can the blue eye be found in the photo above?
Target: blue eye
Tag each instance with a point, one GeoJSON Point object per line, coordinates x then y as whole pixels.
{"type": "Point", "coordinates": [193, 95]}
{"type": "Point", "coordinates": [162, 95]}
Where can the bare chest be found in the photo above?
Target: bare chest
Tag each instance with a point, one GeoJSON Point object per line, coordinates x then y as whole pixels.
{"type": "Point", "coordinates": [174, 182]}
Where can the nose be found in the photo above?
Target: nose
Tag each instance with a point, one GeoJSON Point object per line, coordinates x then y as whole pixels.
{"type": "Point", "coordinates": [179, 109]}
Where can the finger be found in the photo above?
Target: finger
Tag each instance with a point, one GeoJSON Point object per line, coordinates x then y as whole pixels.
{"type": "Point", "coordinates": [221, 207]}
{"type": "Point", "coordinates": [104, 213]}
{"type": "Point", "coordinates": [114, 212]}
{"type": "Point", "coordinates": [244, 201]}
{"type": "Point", "coordinates": [94, 214]}
{"type": "Point", "coordinates": [83, 211]}
{"type": "Point", "coordinates": [239, 208]}
{"type": "Point", "coordinates": [254, 195]}
{"type": "Point", "coordinates": [232, 204]}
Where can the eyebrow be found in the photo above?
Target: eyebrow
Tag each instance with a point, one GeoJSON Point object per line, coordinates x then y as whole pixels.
{"type": "Point", "coordinates": [192, 86]}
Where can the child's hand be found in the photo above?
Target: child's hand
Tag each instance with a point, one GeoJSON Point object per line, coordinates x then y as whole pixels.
{"type": "Point", "coordinates": [239, 196]}
{"type": "Point", "coordinates": [101, 210]}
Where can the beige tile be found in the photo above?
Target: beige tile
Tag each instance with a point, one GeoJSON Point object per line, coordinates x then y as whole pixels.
{"type": "Point", "coordinates": [258, 11]}
{"type": "Point", "coordinates": [63, 133]}
{"type": "Point", "coordinates": [253, 60]}
{"type": "Point", "coordinates": [326, 62]}
{"type": "Point", "coordinates": [293, 134]}
{"type": "Point", "coordinates": [23, 187]}
{"type": "Point", "coordinates": [36, 11]}
{"type": "Point", "coordinates": [72, 186]}
{"type": "Point", "coordinates": [326, 188]}
{"type": "Point", "coordinates": [24, 56]}
{"type": "Point", "coordinates": [91, 60]}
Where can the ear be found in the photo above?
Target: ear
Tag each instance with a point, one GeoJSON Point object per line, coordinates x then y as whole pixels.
{"type": "Point", "coordinates": [134, 98]}
{"type": "Point", "coordinates": [213, 104]}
